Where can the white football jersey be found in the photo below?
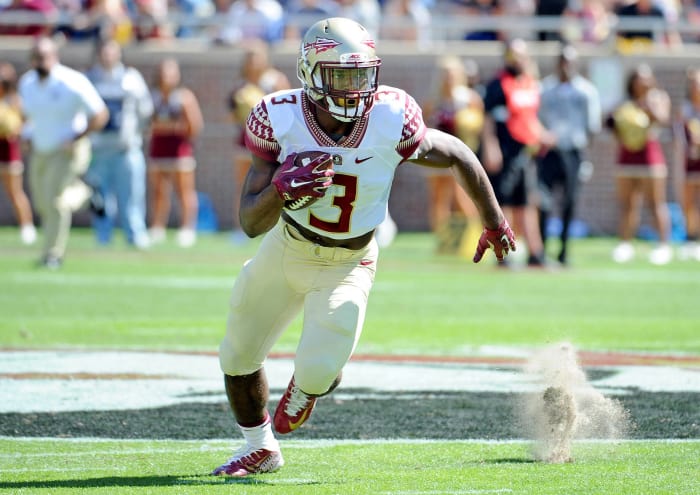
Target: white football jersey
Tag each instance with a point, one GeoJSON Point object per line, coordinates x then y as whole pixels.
{"type": "Point", "coordinates": [364, 162]}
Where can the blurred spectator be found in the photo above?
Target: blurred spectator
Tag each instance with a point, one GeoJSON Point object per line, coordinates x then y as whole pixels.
{"type": "Point", "coordinates": [302, 14]}
{"type": "Point", "coordinates": [118, 165]}
{"type": "Point", "coordinates": [251, 20]}
{"type": "Point", "coordinates": [11, 163]}
{"type": "Point", "coordinates": [177, 121]}
{"type": "Point", "coordinates": [61, 108]}
{"type": "Point", "coordinates": [474, 81]}
{"type": "Point", "coordinates": [407, 20]}
{"type": "Point", "coordinates": [257, 78]}
{"type": "Point", "coordinates": [512, 136]}
{"type": "Point", "coordinates": [366, 12]}
{"type": "Point", "coordinates": [550, 8]}
{"type": "Point", "coordinates": [687, 137]}
{"type": "Point", "coordinates": [570, 109]}
{"type": "Point", "coordinates": [691, 12]}
{"type": "Point", "coordinates": [632, 40]}
{"type": "Point", "coordinates": [641, 169]}
{"type": "Point", "coordinates": [457, 109]}
{"type": "Point", "coordinates": [193, 14]}
{"type": "Point", "coordinates": [28, 18]}
{"type": "Point", "coordinates": [475, 9]}
{"type": "Point", "coordinates": [93, 19]}
{"type": "Point", "coordinates": [595, 19]}
{"type": "Point", "coordinates": [150, 19]}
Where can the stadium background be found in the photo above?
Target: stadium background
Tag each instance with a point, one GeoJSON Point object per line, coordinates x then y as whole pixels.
{"type": "Point", "coordinates": [211, 72]}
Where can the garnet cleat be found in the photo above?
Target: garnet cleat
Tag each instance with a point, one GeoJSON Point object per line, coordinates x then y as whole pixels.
{"type": "Point", "coordinates": [293, 409]}
{"type": "Point", "coordinates": [249, 461]}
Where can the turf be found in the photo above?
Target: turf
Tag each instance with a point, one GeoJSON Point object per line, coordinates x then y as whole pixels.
{"type": "Point", "coordinates": [168, 298]}
{"type": "Point", "coordinates": [408, 468]}
{"type": "Point", "coordinates": [174, 299]}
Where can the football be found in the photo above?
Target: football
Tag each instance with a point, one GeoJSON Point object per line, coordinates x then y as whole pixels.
{"type": "Point", "coordinates": [298, 204]}
{"type": "Point", "coordinates": [309, 162]}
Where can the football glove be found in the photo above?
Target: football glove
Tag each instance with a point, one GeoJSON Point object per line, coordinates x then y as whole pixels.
{"type": "Point", "coordinates": [501, 240]}
{"type": "Point", "coordinates": [301, 176]}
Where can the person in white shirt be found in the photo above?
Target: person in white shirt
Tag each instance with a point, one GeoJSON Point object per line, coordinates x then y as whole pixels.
{"type": "Point", "coordinates": [252, 20]}
{"type": "Point", "coordinates": [61, 107]}
{"type": "Point", "coordinates": [118, 165]}
{"type": "Point", "coordinates": [570, 109]}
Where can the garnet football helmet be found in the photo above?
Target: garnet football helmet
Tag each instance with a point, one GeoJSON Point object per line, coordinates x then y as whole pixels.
{"type": "Point", "coordinates": [339, 67]}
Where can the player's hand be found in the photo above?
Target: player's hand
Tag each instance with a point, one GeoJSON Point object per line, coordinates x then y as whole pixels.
{"type": "Point", "coordinates": [309, 176]}
{"type": "Point", "coordinates": [501, 240]}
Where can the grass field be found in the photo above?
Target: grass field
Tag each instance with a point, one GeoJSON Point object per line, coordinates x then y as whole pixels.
{"type": "Point", "coordinates": [169, 299]}
{"type": "Point", "coordinates": [173, 299]}
{"type": "Point", "coordinates": [112, 467]}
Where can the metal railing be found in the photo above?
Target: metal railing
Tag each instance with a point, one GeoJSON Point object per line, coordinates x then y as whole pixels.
{"type": "Point", "coordinates": [444, 27]}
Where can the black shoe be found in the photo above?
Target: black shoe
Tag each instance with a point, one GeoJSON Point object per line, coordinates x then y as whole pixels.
{"type": "Point", "coordinates": [51, 262]}
{"type": "Point", "coordinates": [563, 259]}
{"type": "Point", "coordinates": [535, 261]}
{"type": "Point", "coordinates": [97, 204]}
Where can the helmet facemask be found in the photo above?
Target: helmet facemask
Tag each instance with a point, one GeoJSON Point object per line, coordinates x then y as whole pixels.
{"type": "Point", "coordinates": [339, 68]}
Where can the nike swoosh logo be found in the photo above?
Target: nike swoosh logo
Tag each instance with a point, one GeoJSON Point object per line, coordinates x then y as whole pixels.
{"type": "Point", "coordinates": [294, 425]}
{"type": "Point", "coordinates": [360, 160]}
{"type": "Point", "coordinates": [296, 183]}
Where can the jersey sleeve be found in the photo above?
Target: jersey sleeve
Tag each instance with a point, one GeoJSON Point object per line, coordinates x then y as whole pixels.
{"type": "Point", "coordinates": [413, 129]}
{"type": "Point", "coordinates": [259, 135]}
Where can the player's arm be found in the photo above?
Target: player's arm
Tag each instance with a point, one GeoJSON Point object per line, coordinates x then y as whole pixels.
{"type": "Point", "coordinates": [261, 204]}
{"type": "Point", "coordinates": [192, 114]}
{"type": "Point", "coordinates": [439, 149]}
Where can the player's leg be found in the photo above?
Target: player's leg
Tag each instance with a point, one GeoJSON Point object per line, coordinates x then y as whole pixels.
{"type": "Point", "coordinates": [262, 305]}
{"type": "Point", "coordinates": [159, 181]}
{"type": "Point", "coordinates": [12, 175]}
{"type": "Point", "coordinates": [184, 180]}
{"type": "Point", "coordinates": [691, 193]}
{"type": "Point", "coordinates": [655, 192]}
{"type": "Point", "coordinates": [693, 221]}
{"type": "Point", "coordinates": [130, 187]}
{"type": "Point", "coordinates": [629, 203]}
{"type": "Point", "coordinates": [334, 314]}
{"type": "Point", "coordinates": [66, 193]}
{"type": "Point", "coordinates": [546, 174]}
{"type": "Point", "coordinates": [101, 176]}
{"type": "Point", "coordinates": [571, 164]}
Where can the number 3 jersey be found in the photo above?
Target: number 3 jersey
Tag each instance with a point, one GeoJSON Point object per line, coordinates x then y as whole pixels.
{"type": "Point", "coordinates": [364, 161]}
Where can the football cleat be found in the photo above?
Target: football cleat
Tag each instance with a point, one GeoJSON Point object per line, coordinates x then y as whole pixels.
{"type": "Point", "coordinates": [293, 409]}
{"type": "Point", "coordinates": [249, 461]}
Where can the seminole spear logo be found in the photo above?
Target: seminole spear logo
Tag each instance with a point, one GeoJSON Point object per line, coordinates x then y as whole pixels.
{"type": "Point", "coordinates": [321, 45]}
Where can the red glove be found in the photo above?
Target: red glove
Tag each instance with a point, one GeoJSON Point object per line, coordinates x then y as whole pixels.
{"type": "Point", "coordinates": [501, 240]}
{"type": "Point", "coordinates": [300, 175]}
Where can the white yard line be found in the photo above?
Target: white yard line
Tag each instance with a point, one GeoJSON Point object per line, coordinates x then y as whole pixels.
{"type": "Point", "coordinates": [217, 444]}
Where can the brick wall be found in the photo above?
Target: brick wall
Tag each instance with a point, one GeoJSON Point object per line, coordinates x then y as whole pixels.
{"type": "Point", "coordinates": [212, 71]}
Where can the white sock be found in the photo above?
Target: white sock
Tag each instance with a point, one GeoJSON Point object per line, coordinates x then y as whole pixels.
{"type": "Point", "coordinates": [261, 436]}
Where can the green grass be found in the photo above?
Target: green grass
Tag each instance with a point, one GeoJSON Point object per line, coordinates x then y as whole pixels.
{"type": "Point", "coordinates": [340, 468]}
{"type": "Point", "coordinates": [169, 298]}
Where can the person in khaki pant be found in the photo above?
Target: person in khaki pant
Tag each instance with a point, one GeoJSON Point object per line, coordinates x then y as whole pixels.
{"type": "Point", "coordinates": [61, 107]}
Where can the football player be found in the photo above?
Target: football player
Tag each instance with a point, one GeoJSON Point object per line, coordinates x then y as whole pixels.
{"type": "Point", "coordinates": [324, 158]}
